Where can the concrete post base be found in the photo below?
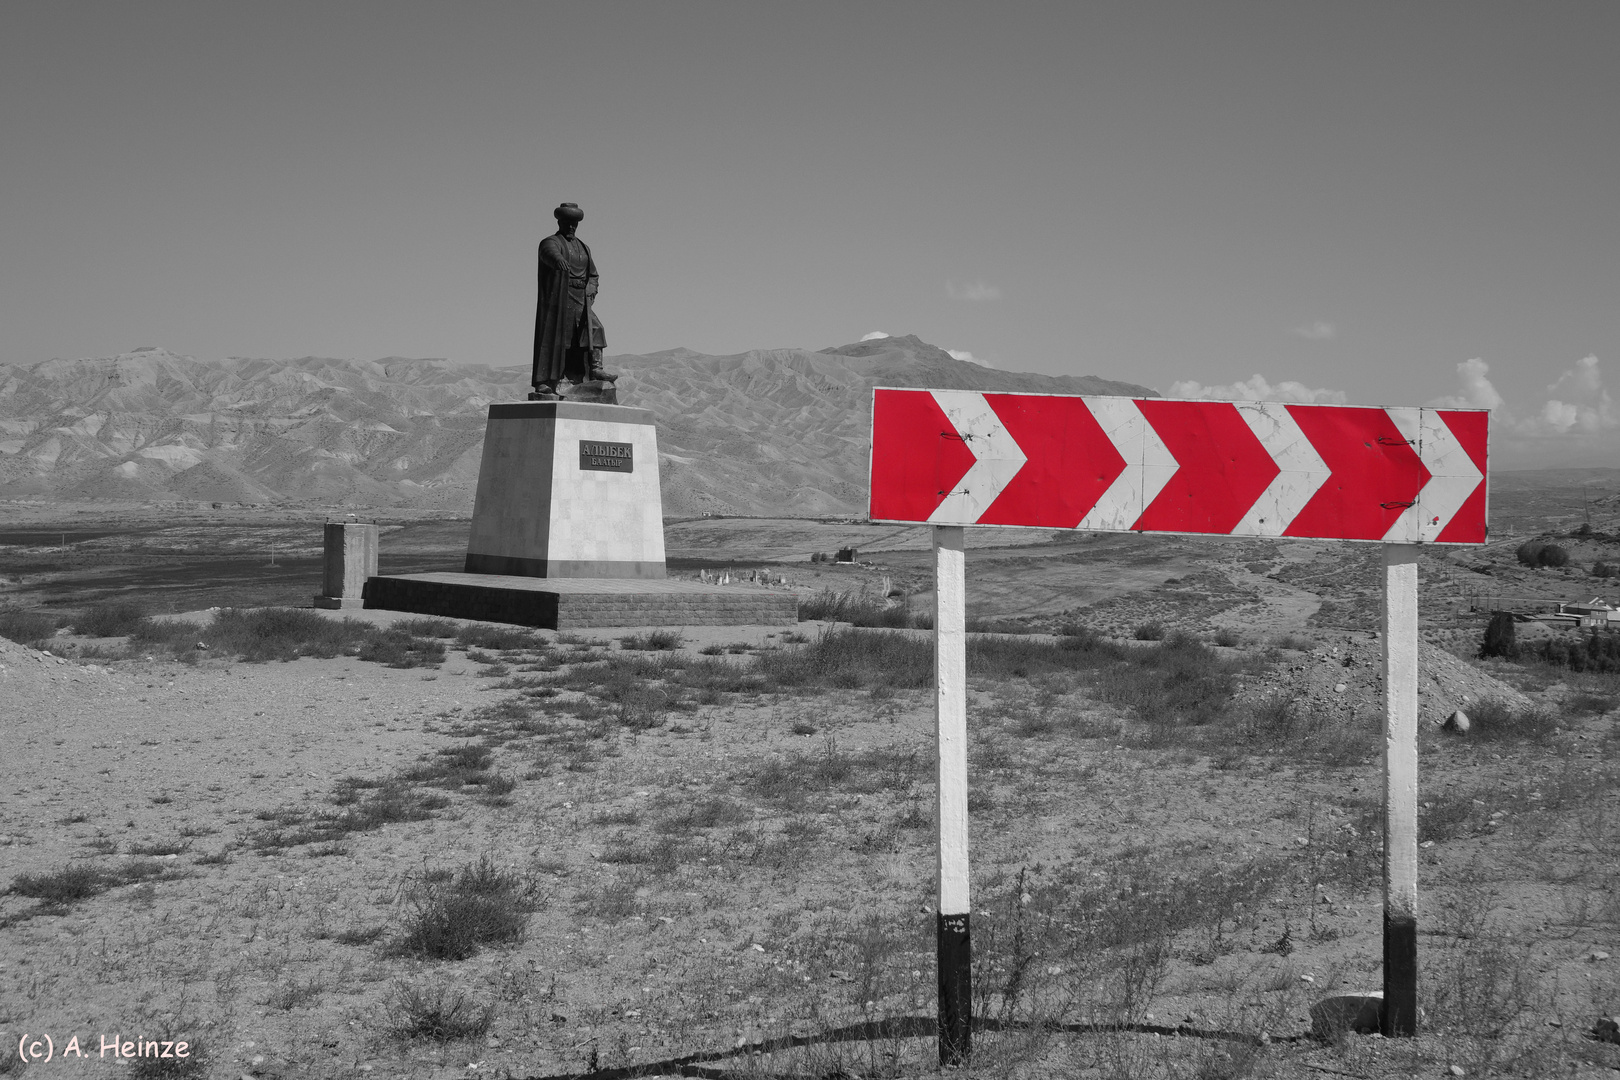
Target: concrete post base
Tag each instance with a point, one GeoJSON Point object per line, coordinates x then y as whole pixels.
{"type": "Point", "coordinates": [351, 561]}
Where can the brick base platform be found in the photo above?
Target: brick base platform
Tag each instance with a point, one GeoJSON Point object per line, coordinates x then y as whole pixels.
{"type": "Point", "coordinates": [578, 603]}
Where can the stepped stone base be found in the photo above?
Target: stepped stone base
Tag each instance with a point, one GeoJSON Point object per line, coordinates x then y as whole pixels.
{"type": "Point", "coordinates": [578, 603]}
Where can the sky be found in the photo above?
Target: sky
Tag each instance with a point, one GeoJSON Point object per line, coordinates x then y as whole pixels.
{"type": "Point", "coordinates": [1372, 202]}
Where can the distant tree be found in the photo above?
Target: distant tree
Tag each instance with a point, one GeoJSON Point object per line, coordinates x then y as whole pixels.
{"type": "Point", "coordinates": [1530, 551]}
{"type": "Point", "coordinates": [1541, 553]}
{"type": "Point", "coordinates": [1602, 569]}
{"type": "Point", "coordinates": [1499, 637]}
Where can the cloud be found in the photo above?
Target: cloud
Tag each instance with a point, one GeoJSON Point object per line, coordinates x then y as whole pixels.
{"type": "Point", "coordinates": [874, 335]}
{"type": "Point", "coordinates": [976, 292]}
{"type": "Point", "coordinates": [1477, 391]}
{"type": "Point", "coordinates": [1316, 331]}
{"type": "Point", "coordinates": [1257, 388]}
{"type": "Point", "coordinates": [1579, 402]}
{"type": "Point", "coordinates": [963, 354]}
{"type": "Point", "coordinates": [1577, 424]}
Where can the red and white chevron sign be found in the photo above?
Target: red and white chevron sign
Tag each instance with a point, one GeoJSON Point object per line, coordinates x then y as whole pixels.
{"type": "Point", "coordinates": [1235, 468]}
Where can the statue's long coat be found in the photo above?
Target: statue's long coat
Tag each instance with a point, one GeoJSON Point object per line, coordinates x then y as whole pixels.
{"type": "Point", "coordinates": [566, 269]}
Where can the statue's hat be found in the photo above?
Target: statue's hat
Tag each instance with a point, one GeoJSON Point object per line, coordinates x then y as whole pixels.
{"type": "Point", "coordinates": [568, 212]}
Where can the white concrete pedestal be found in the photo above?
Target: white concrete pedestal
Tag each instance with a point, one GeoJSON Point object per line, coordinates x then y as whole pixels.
{"type": "Point", "coordinates": [568, 489]}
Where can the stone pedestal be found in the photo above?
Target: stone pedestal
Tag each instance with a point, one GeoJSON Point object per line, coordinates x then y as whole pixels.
{"type": "Point", "coordinates": [568, 489]}
{"type": "Point", "coordinates": [568, 532]}
{"type": "Point", "coordinates": [351, 560]}
{"type": "Point", "coordinates": [583, 603]}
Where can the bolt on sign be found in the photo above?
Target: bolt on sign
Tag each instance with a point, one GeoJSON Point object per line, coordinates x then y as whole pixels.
{"type": "Point", "coordinates": [1401, 477]}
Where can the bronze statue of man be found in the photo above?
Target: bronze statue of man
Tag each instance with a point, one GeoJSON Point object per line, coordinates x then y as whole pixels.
{"type": "Point", "coordinates": [568, 337]}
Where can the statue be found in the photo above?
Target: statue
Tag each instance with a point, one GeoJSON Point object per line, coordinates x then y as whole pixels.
{"type": "Point", "coordinates": [568, 337]}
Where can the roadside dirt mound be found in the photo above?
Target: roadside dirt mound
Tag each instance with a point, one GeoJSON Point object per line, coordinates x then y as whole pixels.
{"type": "Point", "coordinates": [28, 675]}
{"type": "Point", "coordinates": [1344, 677]}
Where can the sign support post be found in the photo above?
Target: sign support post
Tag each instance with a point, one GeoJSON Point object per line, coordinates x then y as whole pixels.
{"type": "Point", "coordinates": [1400, 788]}
{"type": "Point", "coordinates": [950, 712]}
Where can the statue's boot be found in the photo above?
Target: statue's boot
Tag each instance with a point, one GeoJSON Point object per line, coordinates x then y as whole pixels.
{"type": "Point", "coordinates": [545, 392]}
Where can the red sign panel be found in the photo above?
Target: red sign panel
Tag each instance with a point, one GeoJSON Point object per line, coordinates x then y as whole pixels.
{"type": "Point", "coordinates": [1231, 468]}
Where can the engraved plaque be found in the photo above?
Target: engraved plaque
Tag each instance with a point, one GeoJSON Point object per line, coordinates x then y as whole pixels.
{"type": "Point", "coordinates": [607, 456]}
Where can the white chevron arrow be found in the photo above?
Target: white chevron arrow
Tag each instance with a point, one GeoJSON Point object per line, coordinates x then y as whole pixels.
{"type": "Point", "coordinates": [1406, 529]}
{"type": "Point", "coordinates": [997, 457]}
{"type": "Point", "coordinates": [1149, 465]}
{"type": "Point", "coordinates": [1303, 470]}
{"type": "Point", "coordinates": [1454, 476]}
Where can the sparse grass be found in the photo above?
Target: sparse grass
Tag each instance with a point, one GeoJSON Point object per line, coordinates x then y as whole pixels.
{"type": "Point", "coordinates": [983, 625]}
{"type": "Point", "coordinates": [1448, 816]}
{"type": "Point", "coordinates": [653, 641]}
{"type": "Point", "coordinates": [705, 814]}
{"type": "Point", "coordinates": [60, 890]}
{"type": "Point", "coordinates": [1176, 683]}
{"type": "Point", "coordinates": [384, 802]}
{"type": "Point", "coordinates": [451, 920]}
{"type": "Point", "coordinates": [1149, 631]}
{"type": "Point", "coordinates": [428, 628]}
{"type": "Point", "coordinates": [26, 627]}
{"type": "Point", "coordinates": [500, 638]}
{"type": "Point", "coordinates": [293, 993]}
{"type": "Point", "coordinates": [1293, 643]}
{"type": "Point", "coordinates": [66, 886]}
{"type": "Point", "coordinates": [1587, 703]}
{"type": "Point", "coordinates": [396, 648]}
{"type": "Point", "coordinates": [261, 635]}
{"type": "Point", "coordinates": [359, 935]}
{"type": "Point", "coordinates": [439, 1016]}
{"type": "Point", "coordinates": [612, 900]}
{"type": "Point", "coordinates": [111, 618]}
{"type": "Point", "coordinates": [1493, 721]}
{"type": "Point", "coordinates": [859, 609]}
{"type": "Point", "coordinates": [851, 659]}
{"type": "Point", "coordinates": [790, 778]}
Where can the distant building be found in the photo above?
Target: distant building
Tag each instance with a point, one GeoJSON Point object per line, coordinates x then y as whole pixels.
{"type": "Point", "coordinates": [1593, 613]}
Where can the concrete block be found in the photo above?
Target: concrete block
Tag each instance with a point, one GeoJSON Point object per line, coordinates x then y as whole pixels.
{"type": "Point", "coordinates": [568, 489]}
{"type": "Point", "coordinates": [351, 561]}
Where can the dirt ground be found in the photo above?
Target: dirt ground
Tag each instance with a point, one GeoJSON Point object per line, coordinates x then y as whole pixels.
{"type": "Point", "coordinates": [760, 928]}
{"type": "Point", "coordinates": [759, 865]}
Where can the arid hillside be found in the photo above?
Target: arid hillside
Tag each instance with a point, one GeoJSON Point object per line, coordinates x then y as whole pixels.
{"type": "Point", "coordinates": [781, 431]}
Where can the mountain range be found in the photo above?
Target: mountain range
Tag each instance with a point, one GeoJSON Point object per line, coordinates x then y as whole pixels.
{"type": "Point", "coordinates": [767, 432]}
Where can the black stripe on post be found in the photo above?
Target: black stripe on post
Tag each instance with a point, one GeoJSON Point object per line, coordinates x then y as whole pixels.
{"type": "Point", "coordinates": [955, 990]}
{"type": "Point", "coordinates": [1400, 976]}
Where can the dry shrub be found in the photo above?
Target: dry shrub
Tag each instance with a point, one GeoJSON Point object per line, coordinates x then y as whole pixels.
{"type": "Point", "coordinates": [440, 1016]}
{"type": "Point", "coordinates": [26, 627]}
{"type": "Point", "coordinates": [111, 618]}
{"type": "Point", "coordinates": [480, 905]}
{"type": "Point", "coordinates": [859, 609]}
